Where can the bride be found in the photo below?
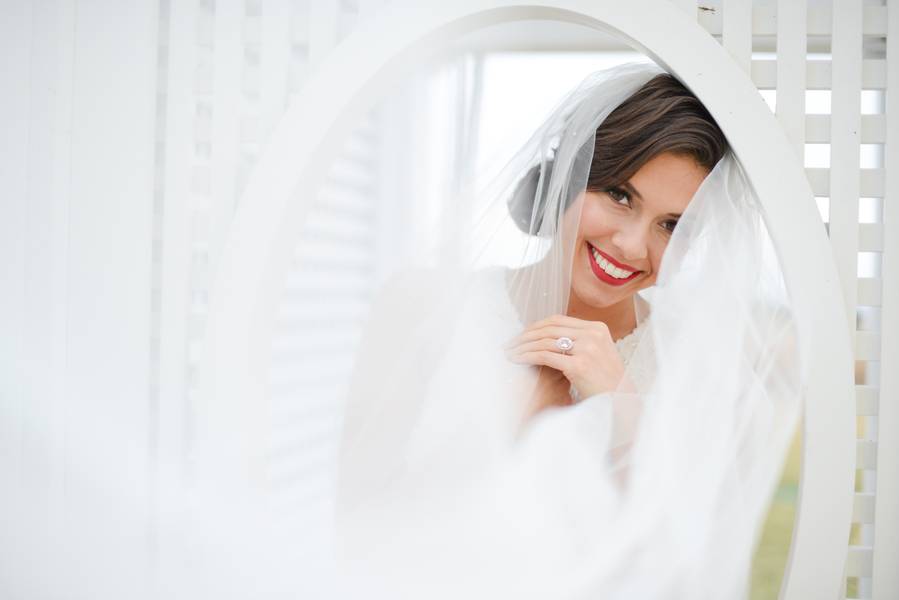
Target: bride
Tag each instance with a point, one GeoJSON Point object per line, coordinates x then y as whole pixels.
{"type": "Point", "coordinates": [603, 416]}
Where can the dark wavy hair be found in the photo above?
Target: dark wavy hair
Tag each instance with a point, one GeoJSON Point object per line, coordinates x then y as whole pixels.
{"type": "Point", "coordinates": [662, 116]}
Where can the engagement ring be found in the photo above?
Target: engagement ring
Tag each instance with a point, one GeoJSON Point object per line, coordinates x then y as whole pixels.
{"type": "Point", "coordinates": [564, 344]}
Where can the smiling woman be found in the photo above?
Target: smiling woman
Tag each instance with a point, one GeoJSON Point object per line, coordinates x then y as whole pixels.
{"type": "Point", "coordinates": [650, 155]}
{"type": "Point", "coordinates": [531, 426]}
{"type": "Point", "coordinates": [624, 232]}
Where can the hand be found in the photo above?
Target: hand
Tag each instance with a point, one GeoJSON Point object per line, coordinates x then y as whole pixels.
{"type": "Point", "coordinates": [552, 390]}
{"type": "Point", "coordinates": [593, 365]}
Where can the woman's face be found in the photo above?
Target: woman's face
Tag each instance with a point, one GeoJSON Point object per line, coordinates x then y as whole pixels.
{"type": "Point", "coordinates": [623, 232]}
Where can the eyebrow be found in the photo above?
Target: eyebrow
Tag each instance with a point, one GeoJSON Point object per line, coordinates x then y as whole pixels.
{"type": "Point", "coordinates": [629, 187]}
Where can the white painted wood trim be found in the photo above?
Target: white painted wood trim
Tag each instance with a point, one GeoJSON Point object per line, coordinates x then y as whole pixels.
{"type": "Point", "coordinates": [885, 574]}
{"type": "Point", "coordinates": [791, 57]}
{"type": "Point", "coordinates": [737, 31]}
{"type": "Point", "coordinates": [845, 123]}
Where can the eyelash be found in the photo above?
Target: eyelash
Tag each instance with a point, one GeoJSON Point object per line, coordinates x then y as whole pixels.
{"type": "Point", "coordinates": [616, 191]}
{"type": "Point", "coordinates": [617, 194]}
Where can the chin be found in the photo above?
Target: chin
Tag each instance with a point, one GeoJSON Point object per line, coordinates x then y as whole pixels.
{"type": "Point", "coordinates": [592, 293]}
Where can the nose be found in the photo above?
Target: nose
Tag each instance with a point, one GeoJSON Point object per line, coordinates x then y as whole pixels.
{"type": "Point", "coordinates": [631, 241]}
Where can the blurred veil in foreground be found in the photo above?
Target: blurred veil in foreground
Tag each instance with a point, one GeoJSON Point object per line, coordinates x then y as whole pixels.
{"type": "Point", "coordinates": [441, 490]}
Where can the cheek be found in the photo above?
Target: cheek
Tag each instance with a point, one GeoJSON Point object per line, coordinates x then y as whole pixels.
{"type": "Point", "coordinates": [594, 222]}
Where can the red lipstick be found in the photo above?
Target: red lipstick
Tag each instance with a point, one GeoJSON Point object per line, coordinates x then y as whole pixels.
{"type": "Point", "coordinates": [602, 275]}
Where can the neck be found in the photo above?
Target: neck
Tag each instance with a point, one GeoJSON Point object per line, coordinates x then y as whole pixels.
{"type": "Point", "coordinates": [620, 318]}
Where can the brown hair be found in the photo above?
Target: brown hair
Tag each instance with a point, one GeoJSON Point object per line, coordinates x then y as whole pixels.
{"type": "Point", "coordinates": [662, 116]}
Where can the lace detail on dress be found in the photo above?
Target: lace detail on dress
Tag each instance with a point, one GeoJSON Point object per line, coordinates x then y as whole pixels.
{"type": "Point", "coordinates": [628, 343]}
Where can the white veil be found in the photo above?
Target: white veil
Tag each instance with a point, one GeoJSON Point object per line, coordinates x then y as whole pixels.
{"type": "Point", "coordinates": [653, 493]}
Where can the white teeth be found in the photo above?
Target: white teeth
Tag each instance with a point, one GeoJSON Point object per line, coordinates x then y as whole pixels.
{"type": "Point", "coordinates": [609, 267]}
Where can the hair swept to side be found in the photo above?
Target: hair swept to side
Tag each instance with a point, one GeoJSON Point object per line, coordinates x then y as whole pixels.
{"type": "Point", "coordinates": [662, 116]}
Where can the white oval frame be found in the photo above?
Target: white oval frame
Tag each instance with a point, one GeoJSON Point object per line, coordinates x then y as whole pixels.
{"type": "Point", "coordinates": [256, 258]}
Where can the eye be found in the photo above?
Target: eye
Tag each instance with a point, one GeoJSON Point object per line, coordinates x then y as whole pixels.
{"type": "Point", "coordinates": [619, 196]}
{"type": "Point", "coordinates": [669, 225]}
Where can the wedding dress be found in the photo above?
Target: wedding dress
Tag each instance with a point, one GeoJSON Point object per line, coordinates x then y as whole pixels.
{"type": "Point", "coordinates": [650, 493]}
{"type": "Point", "coordinates": [444, 496]}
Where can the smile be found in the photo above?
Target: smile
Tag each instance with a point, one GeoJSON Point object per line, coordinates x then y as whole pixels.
{"type": "Point", "coordinates": [607, 269]}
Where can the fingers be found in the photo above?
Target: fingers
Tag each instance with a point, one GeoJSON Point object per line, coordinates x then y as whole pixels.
{"type": "Point", "coordinates": [534, 346]}
{"type": "Point", "coordinates": [560, 362]}
{"type": "Point", "coordinates": [593, 330]}
{"type": "Point", "coordinates": [551, 331]}
{"type": "Point", "coordinates": [557, 326]}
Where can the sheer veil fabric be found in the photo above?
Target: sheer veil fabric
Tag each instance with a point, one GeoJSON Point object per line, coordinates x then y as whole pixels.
{"type": "Point", "coordinates": [657, 491]}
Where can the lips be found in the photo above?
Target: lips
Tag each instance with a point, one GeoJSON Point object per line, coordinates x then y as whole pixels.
{"type": "Point", "coordinates": [601, 273]}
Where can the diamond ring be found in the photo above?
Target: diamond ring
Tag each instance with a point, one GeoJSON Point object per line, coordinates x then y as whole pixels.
{"type": "Point", "coordinates": [565, 344]}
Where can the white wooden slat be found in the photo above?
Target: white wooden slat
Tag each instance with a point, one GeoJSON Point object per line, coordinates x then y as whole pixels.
{"type": "Point", "coordinates": [322, 326]}
{"type": "Point", "coordinates": [867, 345]}
{"type": "Point", "coordinates": [737, 32]}
{"type": "Point", "coordinates": [331, 249]}
{"type": "Point", "coordinates": [324, 309]}
{"type": "Point", "coordinates": [176, 249]}
{"type": "Point", "coordinates": [869, 291]}
{"type": "Point", "coordinates": [32, 209]}
{"type": "Point", "coordinates": [870, 237]}
{"type": "Point", "coordinates": [285, 344]}
{"type": "Point", "coordinates": [791, 59]}
{"type": "Point", "coordinates": [340, 226]}
{"type": "Point", "coordinates": [227, 108]}
{"type": "Point", "coordinates": [310, 402]}
{"type": "Point", "coordinates": [274, 61]}
{"type": "Point", "coordinates": [314, 474]}
{"type": "Point", "coordinates": [323, 25]}
{"type": "Point", "coordinates": [109, 267]}
{"type": "Point", "coordinates": [361, 147]}
{"type": "Point", "coordinates": [870, 184]}
{"type": "Point", "coordinates": [863, 508]}
{"type": "Point", "coordinates": [296, 379]}
{"type": "Point", "coordinates": [859, 561]}
{"type": "Point", "coordinates": [817, 128]}
{"type": "Point", "coordinates": [874, 74]}
{"type": "Point", "coordinates": [866, 454]}
{"type": "Point", "coordinates": [349, 175]}
{"type": "Point", "coordinates": [305, 434]}
{"type": "Point", "coordinates": [819, 21]}
{"type": "Point", "coordinates": [819, 74]}
{"type": "Point", "coordinates": [32, 275]}
{"type": "Point", "coordinates": [348, 201]}
{"type": "Point", "coordinates": [46, 201]}
{"type": "Point", "coordinates": [866, 400]}
{"type": "Point", "coordinates": [348, 281]}
{"type": "Point", "coordinates": [15, 115]}
{"type": "Point", "coordinates": [885, 575]}
{"type": "Point", "coordinates": [844, 188]}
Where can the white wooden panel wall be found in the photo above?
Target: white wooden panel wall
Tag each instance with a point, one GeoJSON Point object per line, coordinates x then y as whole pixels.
{"type": "Point", "coordinates": [77, 155]}
{"type": "Point", "coordinates": [848, 27]}
{"type": "Point", "coordinates": [884, 574]}
{"type": "Point", "coordinates": [229, 70]}
{"type": "Point", "coordinates": [846, 48]}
